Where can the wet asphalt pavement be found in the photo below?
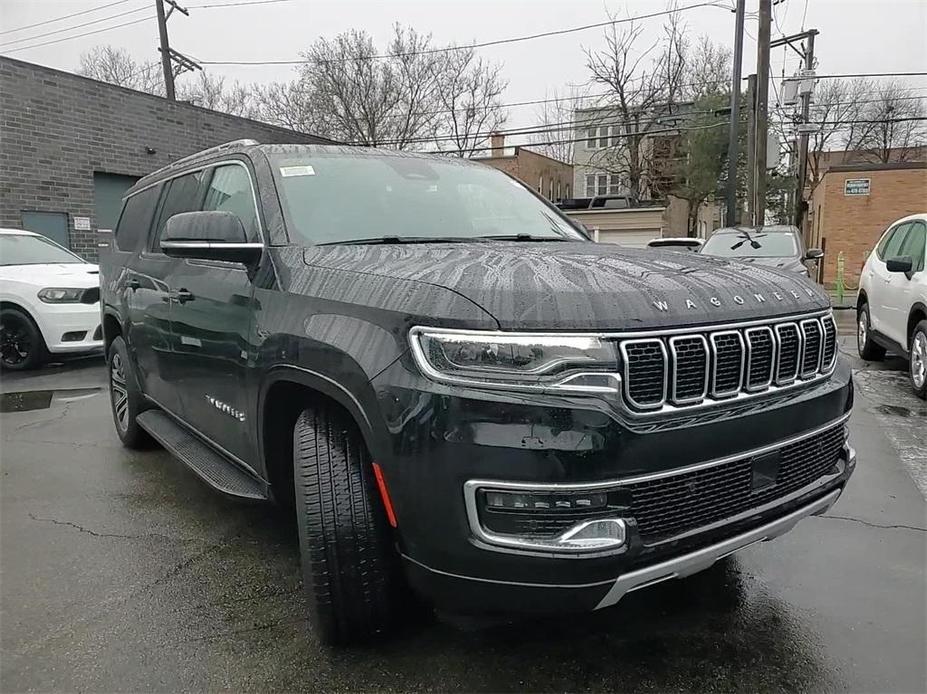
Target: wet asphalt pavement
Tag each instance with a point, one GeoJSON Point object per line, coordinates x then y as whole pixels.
{"type": "Point", "coordinates": [122, 572]}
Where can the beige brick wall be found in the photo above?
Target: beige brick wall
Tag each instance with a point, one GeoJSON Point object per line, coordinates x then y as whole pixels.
{"type": "Point", "coordinates": [853, 224]}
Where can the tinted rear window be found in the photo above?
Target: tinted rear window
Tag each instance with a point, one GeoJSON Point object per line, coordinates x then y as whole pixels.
{"type": "Point", "coordinates": [135, 219]}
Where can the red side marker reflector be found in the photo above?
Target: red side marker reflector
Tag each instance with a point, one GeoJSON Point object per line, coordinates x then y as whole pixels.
{"type": "Point", "coordinates": [384, 494]}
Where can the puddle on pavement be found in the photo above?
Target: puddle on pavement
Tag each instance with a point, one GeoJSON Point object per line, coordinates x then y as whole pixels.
{"type": "Point", "coordinates": [28, 400]}
{"type": "Point", "coordinates": [899, 411]}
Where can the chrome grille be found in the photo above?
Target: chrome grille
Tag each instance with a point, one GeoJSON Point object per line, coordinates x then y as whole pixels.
{"type": "Point", "coordinates": [701, 366]}
{"type": "Point", "coordinates": [789, 353]}
{"type": "Point", "coordinates": [644, 372]}
{"type": "Point", "coordinates": [812, 332]}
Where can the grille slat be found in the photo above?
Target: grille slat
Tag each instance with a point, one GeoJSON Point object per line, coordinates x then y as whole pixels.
{"type": "Point", "coordinates": [676, 504]}
{"type": "Point", "coordinates": [678, 371]}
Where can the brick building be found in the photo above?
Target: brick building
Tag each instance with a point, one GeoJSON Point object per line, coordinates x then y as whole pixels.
{"type": "Point", "coordinates": [550, 177]}
{"type": "Point", "coordinates": [855, 203]}
{"type": "Point", "coordinates": [70, 147]}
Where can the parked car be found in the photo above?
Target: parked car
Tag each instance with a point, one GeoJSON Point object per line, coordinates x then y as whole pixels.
{"type": "Point", "coordinates": [891, 309]}
{"type": "Point", "coordinates": [456, 390]}
{"type": "Point", "coordinates": [780, 247]}
{"type": "Point", "coordinates": [677, 243]}
{"type": "Point", "coordinates": [49, 301]}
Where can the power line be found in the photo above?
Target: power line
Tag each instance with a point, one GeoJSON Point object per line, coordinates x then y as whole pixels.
{"type": "Point", "coordinates": [76, 26]}
{"type": "Point", "coordinates": [66, 16]}
{"type": "Point", "coordinates": [77, 36]}
{"type": "Point", "coordinates": [483, 44]}
{"type": "Point", "coordinates": [849, 75]}
{"type": "Point", "coordinates": [237, 4]}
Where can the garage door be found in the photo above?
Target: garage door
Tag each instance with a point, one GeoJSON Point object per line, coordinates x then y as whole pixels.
{"type": "Point", "coordinates": [634, 239]}
{"type": "Point", "coordinates": [108, 190]}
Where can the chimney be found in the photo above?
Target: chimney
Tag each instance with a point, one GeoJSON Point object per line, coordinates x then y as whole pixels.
{"type": "Point", "coordinates": [497, 141]}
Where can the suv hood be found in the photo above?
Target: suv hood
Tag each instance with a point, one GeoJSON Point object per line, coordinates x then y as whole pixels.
{"type": "Point", "coordinates": [583, 286]}
{"type": "Point", "coordinates": [77, 275]}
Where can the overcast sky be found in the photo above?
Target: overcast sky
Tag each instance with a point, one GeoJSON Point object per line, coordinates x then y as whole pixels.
{"type": "Point", "coordinates": [856, 35]}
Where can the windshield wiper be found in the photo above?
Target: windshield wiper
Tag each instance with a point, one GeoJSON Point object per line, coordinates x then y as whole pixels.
{"type": "Point", "coordinates": [522, 237]}
{"type": "Point", "coordinates": [397, 240]}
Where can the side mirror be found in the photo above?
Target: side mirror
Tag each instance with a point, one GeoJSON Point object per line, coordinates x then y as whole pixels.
{"type": "Point", "coordinates": [901, 263]}
{"type": "Point", "coordinates": [814, 254]}
{"type": "Point", "coordinates": [209, 236]}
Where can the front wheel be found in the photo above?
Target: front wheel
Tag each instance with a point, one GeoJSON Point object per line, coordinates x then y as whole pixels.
{"type": "Point", "coordinates": [21, 343]}
{"type": "Point", "coordinates": [350, 567]}
{"type": "Point", "coordinates": [917, 368]}
{"type": "Point", "coordinates": [868, 350]}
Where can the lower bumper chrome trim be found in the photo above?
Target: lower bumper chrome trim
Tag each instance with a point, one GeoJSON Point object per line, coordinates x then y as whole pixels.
{"type": "Point", "coordinates": [691, 563]}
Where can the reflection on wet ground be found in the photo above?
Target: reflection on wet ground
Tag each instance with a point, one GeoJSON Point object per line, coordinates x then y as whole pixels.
{"type": "Point", "coordinates": [27, 400]}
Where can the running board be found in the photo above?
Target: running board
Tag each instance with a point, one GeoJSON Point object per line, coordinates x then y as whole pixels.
{"type": "Point", "coordinates": [216, 470]}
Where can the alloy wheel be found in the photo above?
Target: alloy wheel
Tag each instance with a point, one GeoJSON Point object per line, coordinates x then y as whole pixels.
{"type": "Point", "coordinates": [120, 394]}
{"type": "Point", "coordinates": [862, 332]}
{"type": "Point", "coordinates": [15, 341]}
{"type": "Point", "coordinates": [919, 359]}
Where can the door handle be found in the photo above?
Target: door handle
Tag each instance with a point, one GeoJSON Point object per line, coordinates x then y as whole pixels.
{"type": "Point", "coordinates": [182, 296]}
{"type": "Point", "coordinates": [134, 284]}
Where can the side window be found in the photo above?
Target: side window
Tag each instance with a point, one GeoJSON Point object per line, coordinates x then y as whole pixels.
{"type": "Point", "coordinates": [184, 194]}
{"type": "Point", "coordinates": [230, 191]}
{"type": "Point", "coordinates": [892, 242]}
{"type": "Point", "coordinates": [135, 220]}
{"type": "Point", "coordinates": [914, 243]}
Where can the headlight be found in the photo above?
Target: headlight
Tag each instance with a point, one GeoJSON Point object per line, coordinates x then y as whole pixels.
{"type": "Point", "coordinates": [519, 361]}
{"type": "Point", "coordinates": [61, 295]}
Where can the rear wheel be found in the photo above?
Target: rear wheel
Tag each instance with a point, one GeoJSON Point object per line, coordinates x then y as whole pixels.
{"type": "Point", "coordinates": [917, 367]}
{"type": "Point", "coordinates": [868, 350]}
{"type": "Point", "coordinates": [125, 397]}
{"type": "Point", "coordinates": [21, 343]}
{"type": "Point", "coordinates": [350, 567]}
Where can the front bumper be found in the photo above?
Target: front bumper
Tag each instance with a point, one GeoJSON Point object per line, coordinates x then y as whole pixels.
{"type": "Point", "coordinates": [70, 328]}
{"type": "Point", "coordinates": [440, 440]}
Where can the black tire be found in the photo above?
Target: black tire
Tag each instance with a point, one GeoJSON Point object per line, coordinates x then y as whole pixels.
{"type": "Point", "coordinates": [917, 362]}
{"type": "Point", "coordinates": [125, 397]}
{"type": "Point", "coordinates": [350, 567]}
{"type": "Point", "coordinates": [21, 343]}
{"type": "Point", "coordinates": [868, 350]}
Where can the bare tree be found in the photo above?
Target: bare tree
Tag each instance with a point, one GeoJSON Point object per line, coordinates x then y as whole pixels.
{"type": "Point", "coordinates": [210, 91]}
{"type": "Point", "coordinates": [836, 106]}
{"type": "Point", "coordinates": [468, 92]}
{"type": "Point", "coordinates": [891, 130]}
{"type": "Point", "coordinates": [554, 116]}
{"type": "Point", "coordinates": [117, 66]}
{"type": "Point", "coordinates": [707, 69]}
{"type": "Point", "coordinates": [644, 86]}
{"type": "Point", "coordinates": [286, 104]}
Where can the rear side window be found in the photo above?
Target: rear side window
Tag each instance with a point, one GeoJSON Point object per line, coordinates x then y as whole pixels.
{"type": "Point", "coordinates": [230, 191]}
{"type": "Point", "coordinates": [135, 220]}
{"type": "Point", "coordinates": [184, 194]}
{"type": "Point", "coordinates": [914, 243]}
{"type": "Point", "coordinates": [892, 242]}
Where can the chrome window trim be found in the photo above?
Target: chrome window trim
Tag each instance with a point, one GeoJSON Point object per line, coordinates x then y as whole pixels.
{"type": "Point", "coordinates": [208, 245]}
{"type": "Point", "coordinates": [622, 347]}
{"type": "Point", "coordinates": [801, 341]}
{"type": "Point", "coordinates": [492, 541]}
{"type": "Point", "coordinates": [816, 322]}
{"type": "Point", "coordinates": [772, 358]}
{"type": "Point", "coordinates": [715, 393]}
{"type": "Point", "coordinates": [692, 399]}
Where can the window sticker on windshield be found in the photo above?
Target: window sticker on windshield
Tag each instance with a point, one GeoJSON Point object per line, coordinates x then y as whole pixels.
{"type": "Point", "coordinates": [286, 171]}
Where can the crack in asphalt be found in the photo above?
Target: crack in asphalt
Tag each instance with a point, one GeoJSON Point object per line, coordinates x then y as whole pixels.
{"type": "Point", "coordinates": [94, 533]}
{"type": "Point", "coordinates": [43, 422]}
{"type": "Point", "coordinates": [876, 525]}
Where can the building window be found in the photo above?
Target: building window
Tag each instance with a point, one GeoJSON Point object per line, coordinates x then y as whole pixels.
{"type": "Point", "coordinates": [603, 184]}
{"type": "Point", "coordinates": [550, 189]}
{"type": "Point", "coordinates": [558, 191]}
{"type": "Point", "coordinates": [541, 185]}
{"type": "Point", "coordinates": [603, 137]}
{"type": "Point", "coordinates": [590, 135]}
{"type": "Point", "coordinates": [567, 191]}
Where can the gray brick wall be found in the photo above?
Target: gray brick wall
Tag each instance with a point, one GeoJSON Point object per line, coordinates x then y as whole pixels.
{"type": "Point", "coordinates": [56, 129]}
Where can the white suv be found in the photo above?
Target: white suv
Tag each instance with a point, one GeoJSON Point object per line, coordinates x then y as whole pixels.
{"type": "Point", "coordinates": [891, 311]}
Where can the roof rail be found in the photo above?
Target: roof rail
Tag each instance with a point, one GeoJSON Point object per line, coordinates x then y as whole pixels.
{"type": "Point", "coordinates": [234, 144]}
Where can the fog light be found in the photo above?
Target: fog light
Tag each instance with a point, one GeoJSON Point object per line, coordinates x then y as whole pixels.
{"type": "Point", "coordinates": [595, 534]}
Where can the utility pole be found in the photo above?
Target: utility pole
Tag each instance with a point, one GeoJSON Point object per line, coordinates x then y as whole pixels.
{"type": "Point", "coordinates": [732, 155]}
{"type": "Point", "coordinates": [762, 106]}
{"type": "Point", "coordinates": [168, 54]}
{"type": "Point", "coordinates": [165, 52]}
{"type": "Point", "coordinates": [803, 136]}
{"type": "Point", "coordinates": [751, 151]}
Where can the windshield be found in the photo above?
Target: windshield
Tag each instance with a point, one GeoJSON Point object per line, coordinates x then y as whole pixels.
{"type": "Point", "coordinates": [340, 198]}
{"type": "Point", "coordinates": [751, 244]}
{"type": "Point", "coordinates": [21, 249]}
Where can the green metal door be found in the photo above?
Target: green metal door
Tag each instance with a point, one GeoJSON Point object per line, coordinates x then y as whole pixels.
{"type": "Point", "coordinates": [54, 225]}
